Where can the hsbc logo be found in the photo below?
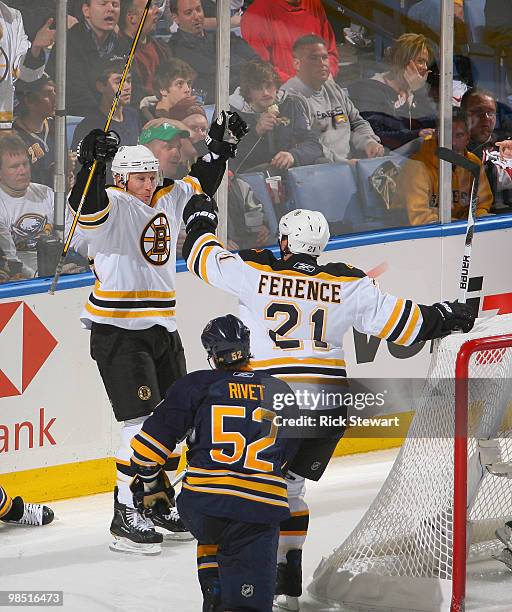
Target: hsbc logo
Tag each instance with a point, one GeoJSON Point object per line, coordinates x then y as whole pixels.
{"type": "Point", "coordinates": [26, 345]}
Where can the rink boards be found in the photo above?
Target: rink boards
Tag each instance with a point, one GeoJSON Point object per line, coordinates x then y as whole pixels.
{"type": "Point", "coordinates": [57, 433]}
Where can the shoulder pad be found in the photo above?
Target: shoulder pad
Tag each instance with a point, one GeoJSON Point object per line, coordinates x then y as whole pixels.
{"type": "Point", "coordinates": [343, 269]}
{"type": "Point", "coordinates": [261, 256]}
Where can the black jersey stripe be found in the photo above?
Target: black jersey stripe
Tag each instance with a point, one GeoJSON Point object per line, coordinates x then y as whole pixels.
{"type": "Point", "coordinates": [402, 322]}
{"type": "Point", "coordinates": [197, 260]}
{"type": "Point", "coordinates": [92, 224]}
{"type": "Point", "coordinates": [131, 304]}
{"type": "Point", "coordinates": [340, 372]}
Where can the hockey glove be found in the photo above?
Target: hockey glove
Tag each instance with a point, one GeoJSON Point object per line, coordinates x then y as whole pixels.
{"type": "Point", "coordinates": [149, 491]}
{"type": "Point", "coordinates": [456, 316]}
{"type": "Point", "coordinates": [98, 146]}
{"type": "Point", "coordinates": [201, 211]}
{"type": "Point", "coordinates": [217, 139]}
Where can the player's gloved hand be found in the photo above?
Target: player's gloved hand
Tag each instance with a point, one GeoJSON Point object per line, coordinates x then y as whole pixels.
{"type": "Point", "coordinates": [98, 146]}
{"type": "Point", "coordinates": [227, 124]}
{"type": "Point", "coordinates": [149, 491]}
{"type": "Point", "coordinates": [456, 316]}
{"type": "Point", "coordinates": [201, 209]}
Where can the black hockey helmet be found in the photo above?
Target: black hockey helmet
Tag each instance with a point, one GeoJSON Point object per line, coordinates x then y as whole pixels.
{"type": "Point", "coordinates": [226, 340]}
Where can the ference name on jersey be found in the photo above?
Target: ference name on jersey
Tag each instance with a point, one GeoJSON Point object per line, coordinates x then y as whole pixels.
{"type": "Point", "coordinates": [299, 288]}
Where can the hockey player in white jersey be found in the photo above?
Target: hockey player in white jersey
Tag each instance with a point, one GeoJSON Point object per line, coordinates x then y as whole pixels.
{"type": "Point", "coordinates": [298, 312]}
{"type": "Point", "coordinates": [131, 231]}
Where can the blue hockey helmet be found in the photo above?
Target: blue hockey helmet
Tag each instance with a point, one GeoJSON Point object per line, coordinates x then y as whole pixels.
{"type": "Point", "coordinates": [226, 340]}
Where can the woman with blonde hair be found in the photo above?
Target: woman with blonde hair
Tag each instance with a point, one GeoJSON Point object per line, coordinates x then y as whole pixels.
{"type": "Point", "coordinates": [396, 102]}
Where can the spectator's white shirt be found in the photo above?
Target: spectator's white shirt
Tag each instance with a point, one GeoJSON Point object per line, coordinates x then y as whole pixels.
{"type": "Point", "coordinates": [22, 221]}
{"type": "Point", "coordinates": [14, 45]}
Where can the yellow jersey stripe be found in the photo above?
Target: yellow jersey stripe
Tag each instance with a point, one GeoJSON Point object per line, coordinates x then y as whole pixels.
{"type": "Point", "coordinates": [206, 550]}
{"type": "Point", "coordinates": [300, 513]}
{"type": "Point", "coordinates": [410, 327]}
{"type": "Point", "coordinates": [129, 314]}
{"type": "Point", "coordinates": [163, 192]}
{"type": "Point", "coordinates": [197, 247]}
{"type": "Point", "coordinates": [98, 292]}
{"type": "Point", "coordinates": [212, 565]}
{"type": "Point", "coordinates": [204, 258]}
{"type": "Point", "coordinates": [235, 482]}
{"type": "Point", "coordinates": [387, 329]}
{"type": "Point", "coordinates": [155, 442]}
{"type": "Point", "coordinates": [145, 451]}
{"type": "Point", "coordinates": [297, 361]}
{"type": "Point", "coordinates": [322, 275]}
{"type": "Point", "coordinates": [6, 507]}
{"type": "Point", "coordinates": [194, 183]}
{"type": "Point", "coordinates": [96, 216]}
{"type": "Point", "coordinates": [256, 498]}
{"type": "Point", "coordinates": [196, 470]}
{"type": "Point", "coordinates": [293, 533]}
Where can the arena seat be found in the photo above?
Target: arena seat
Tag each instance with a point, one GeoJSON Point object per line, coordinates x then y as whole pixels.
{"type": "Point", "coordinates": [257, 182]}
{"type": "Point", "coordinates": [71, 122]}
{"type": "Point", "coordinates": [330, 189]}
{"type": "Point", "coordinates": [373, 204]}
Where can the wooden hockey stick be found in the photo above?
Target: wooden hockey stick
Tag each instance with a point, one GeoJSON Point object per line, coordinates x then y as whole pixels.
{"type": "Point", "coordinates": [459, 160]}
{"type": "Point", "coordinates": [115, 101]}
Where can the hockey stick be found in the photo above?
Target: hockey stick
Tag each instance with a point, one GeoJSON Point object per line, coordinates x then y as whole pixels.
{"type": "Point", "coordinates": [115, 101]}
{"type": "Point", "coordinates": [459, 160]}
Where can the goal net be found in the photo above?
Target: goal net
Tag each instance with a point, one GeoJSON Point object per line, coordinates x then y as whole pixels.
{"type": "Point", "coordinates": [401, 554]}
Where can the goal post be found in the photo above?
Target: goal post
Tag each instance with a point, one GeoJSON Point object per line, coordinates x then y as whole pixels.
{"type": "Point", "coordinates": [441, 502]}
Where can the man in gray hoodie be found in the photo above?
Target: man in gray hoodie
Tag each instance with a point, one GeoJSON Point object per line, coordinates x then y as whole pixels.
{"type": "Point", "coordinates": [343, 132]}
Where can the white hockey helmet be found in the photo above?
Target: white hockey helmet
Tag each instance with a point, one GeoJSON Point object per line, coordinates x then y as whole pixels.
{"type": "Point", "coordinates": [130, 160]}
{"type": "Point", "coordinates": [307, 231]}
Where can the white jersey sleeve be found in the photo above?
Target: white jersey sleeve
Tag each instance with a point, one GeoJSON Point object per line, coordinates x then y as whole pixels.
{"type": "Point", "coordinates": [379, 314]}
{"type": "Point", "coordinates": [217, 266]}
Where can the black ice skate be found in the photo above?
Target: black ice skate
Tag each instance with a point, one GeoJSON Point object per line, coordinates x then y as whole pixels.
{"type": "Point", "coordinates": [169, 522]}
{"type": "Point", "coordinates": [289, 582]}
{"type": "Point", "coordinates": [133, 532]}
{"type": "Point", "coordinates": [29, 514]}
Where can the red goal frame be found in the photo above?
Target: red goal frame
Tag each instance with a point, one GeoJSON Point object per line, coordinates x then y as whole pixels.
{"type": "Point", "coordinates": [460, 481]}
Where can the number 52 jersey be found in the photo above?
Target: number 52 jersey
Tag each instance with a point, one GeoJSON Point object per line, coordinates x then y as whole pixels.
{"type": "Point", "coordinates": [298, 311]}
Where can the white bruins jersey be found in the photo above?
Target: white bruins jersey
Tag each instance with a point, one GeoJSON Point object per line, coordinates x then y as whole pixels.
{"type": "Point", "coordinates": [298, 311]}
{"type": "Point", "coordinates": [134, 250]}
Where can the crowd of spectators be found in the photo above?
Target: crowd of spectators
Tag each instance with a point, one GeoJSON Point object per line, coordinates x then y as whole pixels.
{"type": "Point", "coordinates": [291, 81]}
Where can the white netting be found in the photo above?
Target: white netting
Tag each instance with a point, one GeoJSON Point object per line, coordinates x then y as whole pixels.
{"type": "Point", "coordinates": [399, 557]}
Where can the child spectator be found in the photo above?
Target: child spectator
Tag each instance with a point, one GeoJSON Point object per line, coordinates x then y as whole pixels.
{"type": "Point", "coordinates": [418, 181]}
{"type": "Point", "coordinates": [343, 132]}
{"type": "Point", "coordinates": [35, 125]}
{"type": "Point", "coordinates": [280, 136]}
{"type": "Point", "coordinates": [173, 84]}
{"type": "Point", "coordinates": [194, 45]}
{"type": "Point", "coordinates": [125, 120]}
{"type": "Point", "coordinates": [150, 52]}
{"type": "Point", "coordinates": [271, 28]}
{"type": "Point", "coordinates": [92, 40]}
{"type": "Point", "coordinates": [395, 102]}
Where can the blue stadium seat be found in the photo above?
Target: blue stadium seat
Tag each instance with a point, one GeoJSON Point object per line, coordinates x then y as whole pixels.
{"type": "Point", "coordinates": [71, 122]}
{"type": "Point", "coordinates": [373, 205]}
{"type": "Point", "coordinates": [257, 182]}
{"type": "Point", "coordinates": [330, 189]}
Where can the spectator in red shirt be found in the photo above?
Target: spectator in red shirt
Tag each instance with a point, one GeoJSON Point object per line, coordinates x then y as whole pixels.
{"type": "Point", "coordinates": [271, 28]}
{"type": "Point", "coordinates": [150, 52]}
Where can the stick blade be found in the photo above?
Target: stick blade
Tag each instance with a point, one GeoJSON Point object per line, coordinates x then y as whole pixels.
{"type": "Point", "coordinates": [458, 160]}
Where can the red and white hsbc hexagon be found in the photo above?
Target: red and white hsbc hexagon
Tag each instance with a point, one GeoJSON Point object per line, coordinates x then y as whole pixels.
{"type": "Point", "coordinates": [25, 345]}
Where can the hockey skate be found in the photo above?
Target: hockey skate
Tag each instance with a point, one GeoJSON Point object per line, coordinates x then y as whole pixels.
{"type": "Point", "coordinates": [30, 514]}
{"type": "Point", "coordinates": [504, 534]}
{"type": "Point", "coordinates": [505, 556]}
{"type": "Point", "coordinates": [169, 523]}
{"type": "Point", "coordinates": [133, 532]}
{"type": "Point", "coordinates": [289, 582]}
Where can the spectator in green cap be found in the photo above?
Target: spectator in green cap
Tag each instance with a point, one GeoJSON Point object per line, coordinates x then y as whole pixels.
{"type": "Point", "coordinates": [165, 138]}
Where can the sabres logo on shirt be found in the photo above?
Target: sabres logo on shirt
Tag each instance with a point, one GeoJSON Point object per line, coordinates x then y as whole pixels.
{"type": "Point", "coordinates": [155, 241]}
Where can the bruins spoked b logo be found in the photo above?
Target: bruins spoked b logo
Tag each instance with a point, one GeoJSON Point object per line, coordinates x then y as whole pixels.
{"type": "Point", "coordinates": [144, 393]}
{"type": "Point", "coordinates": [155, 241]}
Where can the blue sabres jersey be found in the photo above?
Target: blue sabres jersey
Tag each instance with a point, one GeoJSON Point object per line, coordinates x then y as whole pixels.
{"type": "Point", "coordinates": [236, 448]}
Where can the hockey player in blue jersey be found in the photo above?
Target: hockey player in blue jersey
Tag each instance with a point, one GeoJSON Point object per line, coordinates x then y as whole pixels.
{"type": "Point", "coordinates": [234, 494]}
